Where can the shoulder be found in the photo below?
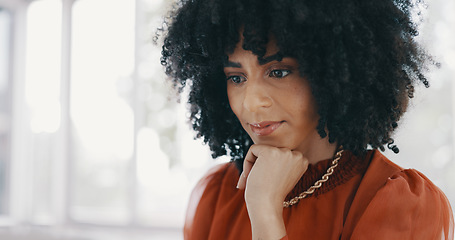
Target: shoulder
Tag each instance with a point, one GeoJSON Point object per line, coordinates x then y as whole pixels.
{"type": "Point", "coordinates": [209, 186]}
{"type": "Point", "coordinates": [215, 178]}
{"type": "Point", "coordinates": [403, 201]}
{"type": "Point", "coordinates": [204, 198]}
{"type": "Point", "coordinates": [408, 184]}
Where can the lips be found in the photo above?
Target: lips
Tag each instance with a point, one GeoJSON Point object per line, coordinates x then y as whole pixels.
{"type": "Point", "coordinates": [265, 128]}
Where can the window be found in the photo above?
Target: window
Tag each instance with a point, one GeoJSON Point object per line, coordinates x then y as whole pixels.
{"type": "Point", "coordinates": [102, 110]}
{"type": "Point", "coordinates": [43, 107]}
{"type": "Point", "coordinates": [124, 133]}
{"type": "Point", "coordinates": [5, 105]}
{"type": "Point", "coordinates": [100, 131]}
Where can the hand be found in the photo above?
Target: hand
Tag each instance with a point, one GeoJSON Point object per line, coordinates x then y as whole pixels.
{"type": "Point", "coordinates": [269, 174]}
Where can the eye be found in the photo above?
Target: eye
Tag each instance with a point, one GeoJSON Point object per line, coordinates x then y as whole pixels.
{"type": "Point", "coordinates": [279, 73]}
{"type": "Point", "coordinates": [236, 79]}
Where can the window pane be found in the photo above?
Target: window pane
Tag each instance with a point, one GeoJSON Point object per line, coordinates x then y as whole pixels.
{"type": "Point", "coordinates": [42, 96]}
{"type": "Point", "coordinates": [5, 103]}
{"type": "Point", "coordinates": [102, 65]}
{"type": "Point", "coordinates": [43, 65]}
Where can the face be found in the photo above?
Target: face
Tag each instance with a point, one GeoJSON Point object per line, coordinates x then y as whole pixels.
{"type": "Point", "coordinates": [272, 101]}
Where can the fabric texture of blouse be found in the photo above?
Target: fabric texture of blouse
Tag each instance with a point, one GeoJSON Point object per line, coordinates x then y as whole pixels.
{"type": "Point", "coordinates": [365, 198]}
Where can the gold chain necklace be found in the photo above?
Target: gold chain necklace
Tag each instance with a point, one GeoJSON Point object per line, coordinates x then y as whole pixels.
{"type": "Point", "coordinates": [318, 183]}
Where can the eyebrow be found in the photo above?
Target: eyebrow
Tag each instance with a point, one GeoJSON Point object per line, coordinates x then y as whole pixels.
{"type": "Point", "coordinates": [275, 57]}
{"type": "Point", "coordinates": [232, 64]}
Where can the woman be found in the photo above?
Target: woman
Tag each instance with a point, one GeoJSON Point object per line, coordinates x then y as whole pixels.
{"type": "Point", "coordinates": [301, 94]}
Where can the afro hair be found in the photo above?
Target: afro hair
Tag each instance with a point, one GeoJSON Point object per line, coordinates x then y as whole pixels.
{"type": "Point", "coordinates": [360, 57]}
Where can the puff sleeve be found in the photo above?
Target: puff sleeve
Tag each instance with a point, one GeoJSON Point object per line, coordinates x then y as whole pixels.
{"type": "Point", "coordinates": [201, 207]}
{"type": "Point", "coordinates": [408, 206]}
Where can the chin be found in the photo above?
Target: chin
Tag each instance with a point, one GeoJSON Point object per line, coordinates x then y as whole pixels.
{"type": "Point", "coordinates": [273, 143]}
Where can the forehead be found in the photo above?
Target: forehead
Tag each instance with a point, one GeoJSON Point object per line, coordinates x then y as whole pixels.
{"type": "Point", "coordinates": [272, 47]}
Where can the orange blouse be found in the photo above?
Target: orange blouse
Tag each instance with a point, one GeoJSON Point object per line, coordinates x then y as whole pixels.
{"type": "Point", "coordinates": [365, 198]}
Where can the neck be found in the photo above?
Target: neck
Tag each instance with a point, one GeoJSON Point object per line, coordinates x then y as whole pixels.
{"type": "Point", "coordinates": [320, 150]}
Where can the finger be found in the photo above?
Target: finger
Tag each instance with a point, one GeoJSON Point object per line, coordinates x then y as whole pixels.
{"type": "Point", "coordinates": [248, 163]}
{"type": "Point", "coordinates": [242, 182]}
{"type": "Point", "coordinates": [252, 155]}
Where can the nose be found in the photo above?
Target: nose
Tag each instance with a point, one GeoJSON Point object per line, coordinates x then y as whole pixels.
{"type": "Point", "coordinates": [257, 96]}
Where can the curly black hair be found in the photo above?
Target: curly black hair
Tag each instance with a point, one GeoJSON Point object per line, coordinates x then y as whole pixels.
{"type": "Point", "coordinates": [360, 57]}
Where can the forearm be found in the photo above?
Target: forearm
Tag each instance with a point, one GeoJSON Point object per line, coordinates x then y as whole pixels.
{"type": "Point", "coordinates": [266, 221]}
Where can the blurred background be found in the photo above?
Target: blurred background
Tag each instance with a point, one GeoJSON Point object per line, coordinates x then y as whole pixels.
{"type": "Point", "coordinates": [92, 144]}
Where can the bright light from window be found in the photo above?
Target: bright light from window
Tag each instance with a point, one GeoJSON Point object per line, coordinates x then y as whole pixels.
{"type": "Point", "coordinates": [102, 65]}
{"type": "Point", "coordinates": [103, 59]}
{"type": "Point", "coordinates": [153, 163]}
{"type": "Point", "coordinates": [43, 65]}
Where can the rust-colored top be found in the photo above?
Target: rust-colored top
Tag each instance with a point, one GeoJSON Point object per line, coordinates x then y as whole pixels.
{"type": "Point", "coordinates": [365, 198]}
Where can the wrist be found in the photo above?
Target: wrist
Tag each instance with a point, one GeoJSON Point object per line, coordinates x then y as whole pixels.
{"type": "Point", "coordinates": [266, 220]}
{"type": "Point", "coordinates": [266, 200]}
{"type": "Point", "coordinates": [264, 207]}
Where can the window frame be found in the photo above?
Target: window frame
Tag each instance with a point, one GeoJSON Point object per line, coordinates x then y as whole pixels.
{"type": "Point", "coordinates": [16, 56]}
{"type": "Point", "coordinates": [9, 57]}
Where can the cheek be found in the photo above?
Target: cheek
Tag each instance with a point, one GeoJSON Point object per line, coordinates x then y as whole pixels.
{"type": "Point", "coordinates": [307, 107]}
{"type": "Point", "coordinates": [233, 100]}
{"type": "Point", "coordinates": [310, 113]}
